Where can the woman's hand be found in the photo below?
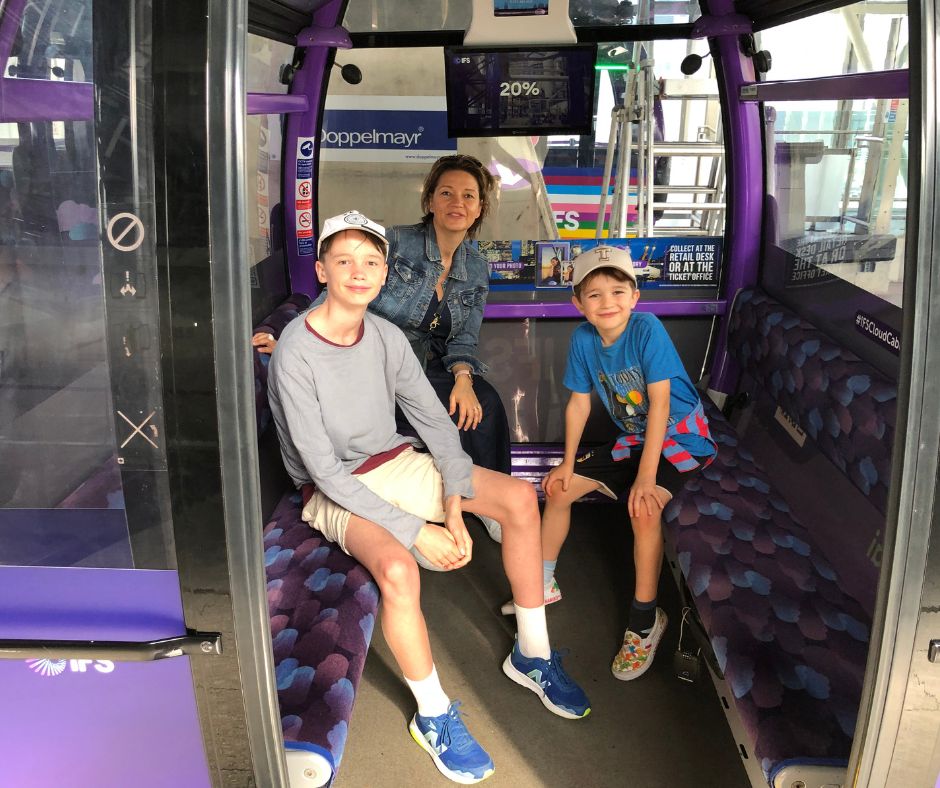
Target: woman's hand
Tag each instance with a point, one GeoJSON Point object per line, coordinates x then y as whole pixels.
{"type": "Point", "coordinates": [465, 403]}
{"type": "Point", "coordinates": [646, 497]}
{"type": "Point", "coordinates": [264, 342]}
{"type": "Point", "coordinates": [437, 544]}
{"type": "Point", "coordinates": [559, 474]}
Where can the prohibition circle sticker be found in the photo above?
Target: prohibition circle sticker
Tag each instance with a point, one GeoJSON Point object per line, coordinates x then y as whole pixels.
{"type": "Point", "coordinates": [126, 232]}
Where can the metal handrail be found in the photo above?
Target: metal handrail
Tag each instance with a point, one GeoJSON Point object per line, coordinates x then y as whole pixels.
{"type": "Point", "coordinates": [191, 644]}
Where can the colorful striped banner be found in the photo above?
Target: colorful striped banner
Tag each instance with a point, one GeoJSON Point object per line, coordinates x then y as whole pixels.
{"type": "Point", "coordinates": [575, 196]}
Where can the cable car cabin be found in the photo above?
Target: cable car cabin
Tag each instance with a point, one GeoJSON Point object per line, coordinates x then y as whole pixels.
{"type": "Point", "coordinates": [165, 171]}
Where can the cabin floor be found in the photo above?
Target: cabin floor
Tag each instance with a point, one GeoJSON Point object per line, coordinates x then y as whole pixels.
{"type": "Point", "coordinates": [654, 731]}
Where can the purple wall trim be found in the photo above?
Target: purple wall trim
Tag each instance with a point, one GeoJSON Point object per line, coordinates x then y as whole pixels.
{"type": "Point", "coordinates": [728, 25]}
{"type": "Point", "coordinates": [746, 188]}
{"type": "Point", "coordinates": [310, 82]}
{"type": "Point", "coordinates": [41, 99]}
{"type": "Point", "coordinates": [874, 85]}
{"type": "Point", "coordinates": [529, 309]}
{"type": "Point", "coordinates": [274, 103]}
{"type": "Point", "coordinates": [314, 36]}
{"type": "Point", "coordinates": [68, 603]}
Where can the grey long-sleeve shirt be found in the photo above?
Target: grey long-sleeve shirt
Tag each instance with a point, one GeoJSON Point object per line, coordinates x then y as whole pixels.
{"type": "Point", "coordinates": [334, 407]}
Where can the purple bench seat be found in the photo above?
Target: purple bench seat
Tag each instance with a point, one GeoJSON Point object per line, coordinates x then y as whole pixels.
{"type": "Point", "coordinates": [322, 606]}
{"type": "Point", "coordinates": [789, 636]}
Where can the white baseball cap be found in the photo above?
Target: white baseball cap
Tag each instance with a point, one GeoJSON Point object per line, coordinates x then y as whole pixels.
{"type": "Point", "coordinates": [352, 220]}
{"type": "Point", "coordinates": [602, 257]}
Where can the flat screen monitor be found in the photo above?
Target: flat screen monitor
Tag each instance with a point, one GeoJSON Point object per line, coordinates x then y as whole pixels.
{"type": "Point", "coordinates": [492, 92]}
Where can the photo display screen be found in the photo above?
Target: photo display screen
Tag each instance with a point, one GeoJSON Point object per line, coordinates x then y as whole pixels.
{"type": "Point", "coordinates": [493, 92]}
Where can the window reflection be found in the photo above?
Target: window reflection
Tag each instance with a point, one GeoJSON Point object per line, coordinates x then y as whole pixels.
{"type": "Point", "coordinates": [53, 46]}
{"type": "Point", "coordinates": [840, 187]}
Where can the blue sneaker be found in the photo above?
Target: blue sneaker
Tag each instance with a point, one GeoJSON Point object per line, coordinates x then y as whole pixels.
{"type": "Point", "coordinates": [547, 679]}
{"type": "Point", "coordinates": [454, 751]}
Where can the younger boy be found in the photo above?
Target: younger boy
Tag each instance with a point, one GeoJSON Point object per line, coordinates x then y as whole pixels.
{"type": "Point", "coordinates": [334, 379]}
{"type": "Point", "coordinates": [629, 359]}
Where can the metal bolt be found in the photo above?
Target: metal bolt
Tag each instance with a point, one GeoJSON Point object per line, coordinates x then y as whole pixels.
{"type": "Point", "coordinates": [311, 773]}
{"type": "Point", "coordinates": [206, 647]}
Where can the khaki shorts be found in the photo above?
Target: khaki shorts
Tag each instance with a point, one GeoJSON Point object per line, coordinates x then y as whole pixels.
{"type": "Point", "coordinates": [410, 481]}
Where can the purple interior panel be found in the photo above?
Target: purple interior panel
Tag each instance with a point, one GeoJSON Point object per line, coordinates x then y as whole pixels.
{"type": "Point", "coordinates": [23, 100]}
{"type": "Point", "coordinates": [745, 187]}
{"type": "Point", "coordinates": [88, 724]}
{"type": "Point", "coordinates": [309, 81]}
{"type": "Point", "coordinates": [274, 103]}
{"type": "Point", "coordinates": [871, 85]}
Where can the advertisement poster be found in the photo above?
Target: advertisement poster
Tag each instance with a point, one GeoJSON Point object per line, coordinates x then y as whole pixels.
{"type": "Point", "coordinates": [511, 262]}
{"type": "Point", "coordinates": [409, 129]}
{"type": "Point", "coordinates": [520, 7]}
{"type": "Point", "coordinates": [818, 258]}
{"type": "Point", "coordinates": [553, 264]}
{"type": "Point", "coordinates": [660, 263]}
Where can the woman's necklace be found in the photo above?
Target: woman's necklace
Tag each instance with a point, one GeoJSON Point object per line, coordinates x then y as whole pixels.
{"type": "Point", "coordinates": [436, 320]}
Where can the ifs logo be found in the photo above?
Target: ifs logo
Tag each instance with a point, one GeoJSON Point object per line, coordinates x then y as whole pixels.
{"type": "Point", "coordinates": [56, 667]}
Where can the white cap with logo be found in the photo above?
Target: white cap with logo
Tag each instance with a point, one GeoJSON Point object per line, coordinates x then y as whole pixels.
{"type": "Point", "coordinates": [602, 257]}
{"type": "Point", "coordinates": [352, 220]}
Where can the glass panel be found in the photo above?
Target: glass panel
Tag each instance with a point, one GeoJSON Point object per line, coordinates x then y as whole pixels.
{"type": "Point", "coordinates": [78, 485]}
{"type": "Point", "coordinates": [387, 16]}
{"type": "Point", "coordinates": [54, 45]}
{"type": "Point", "coordinates": [867, 36]}
{"type": "Point", "coordinates": [550, 187]}
{"type": "Point", "coordinates": [57, 438]}
{"type": "Point", "coordinates": [263, 66]}
{"type": "Point", "coordinates": [263, 142]}
{"type": "Point", "coordinates": [839, 181]}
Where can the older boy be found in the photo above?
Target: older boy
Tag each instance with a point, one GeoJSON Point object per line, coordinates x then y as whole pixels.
{"type": "Point", "coordinates": [629, 359]}
{"type": "Point", "coordinates": [334, 379]}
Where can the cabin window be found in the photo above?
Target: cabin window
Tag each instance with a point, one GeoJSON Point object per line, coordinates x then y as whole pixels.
{"type": "Point", "coordinates": [857, 38]}
{"type": "Point", "coordinates": [402, 94]}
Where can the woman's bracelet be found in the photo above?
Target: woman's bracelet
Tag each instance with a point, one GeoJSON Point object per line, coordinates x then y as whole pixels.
{"type": "Point", "coordinates": [466, 372]}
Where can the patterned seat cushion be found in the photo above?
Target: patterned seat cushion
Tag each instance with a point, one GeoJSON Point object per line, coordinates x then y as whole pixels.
{"type": "Point", "coordinates": [845, 405]}
{"type": "Point", "coordinates": [322, 605]}
{"type": "Point", "coordinates": [791, 643]}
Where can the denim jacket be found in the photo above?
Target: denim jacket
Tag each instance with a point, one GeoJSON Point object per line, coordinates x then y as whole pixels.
{"type": "Point", "coordinates": [414, 266]}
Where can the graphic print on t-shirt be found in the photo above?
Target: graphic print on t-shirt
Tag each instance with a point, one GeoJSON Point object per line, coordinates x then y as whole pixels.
{"type": "Point", "coordinates": [627, 402]}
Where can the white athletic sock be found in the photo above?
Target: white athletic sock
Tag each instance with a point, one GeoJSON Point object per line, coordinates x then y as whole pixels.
{"type": "Point", "coordinates": [533, 632]}
{"type": "Point", "coordinates": [548, 571]}
{"type": "Point", "coordinates": [432, 700]}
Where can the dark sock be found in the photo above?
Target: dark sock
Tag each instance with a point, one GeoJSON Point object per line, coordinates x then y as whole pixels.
{"type": "Point", "coordinates": [642, 617]}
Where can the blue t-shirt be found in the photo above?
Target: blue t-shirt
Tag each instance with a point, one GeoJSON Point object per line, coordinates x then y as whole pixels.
{"type": "Point", "coordinates": [643, 354]}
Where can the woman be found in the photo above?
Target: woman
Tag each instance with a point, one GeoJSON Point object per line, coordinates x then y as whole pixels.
{"type": "Point", "coordinates": [435, 292]}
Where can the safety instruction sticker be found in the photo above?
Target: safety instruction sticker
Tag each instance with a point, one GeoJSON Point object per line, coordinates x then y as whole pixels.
{"type": "Point", "coordinates": [303, 196]}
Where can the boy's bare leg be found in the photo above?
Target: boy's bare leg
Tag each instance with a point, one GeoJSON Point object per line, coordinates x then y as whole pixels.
{"type": "Point", "coordinates": [513, 503]}
{"type": "Point", "coordinates": [437, 727]}
{"type": "Point", "coordinates": [398, 578]}
{"type": "Point", "coordinates": [556, 517]}
{"type": "Point", "coordinates": [647, 554]}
